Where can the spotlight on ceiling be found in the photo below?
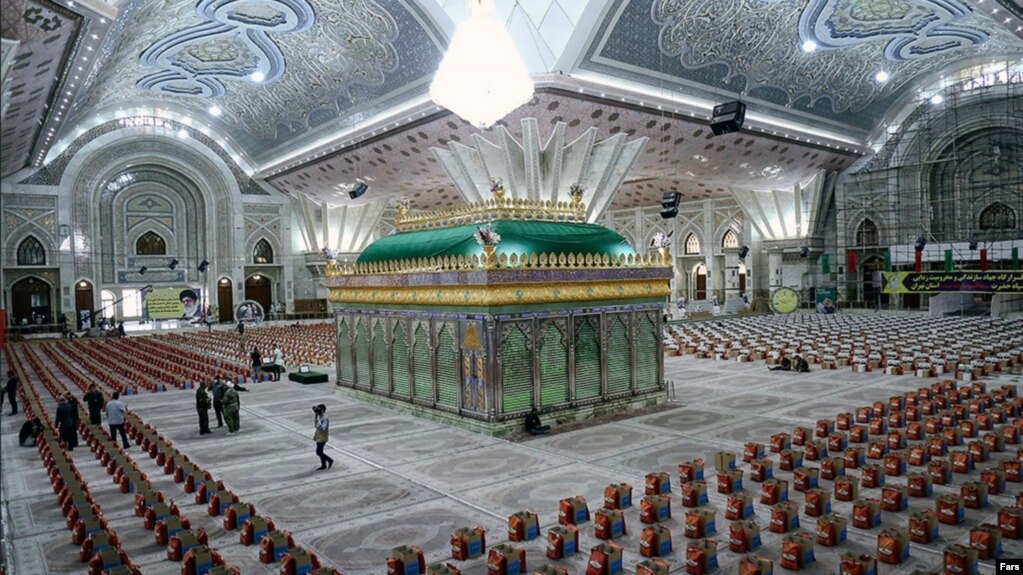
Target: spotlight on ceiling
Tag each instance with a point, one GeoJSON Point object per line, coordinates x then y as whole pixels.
{"type": "Point", "coordinates": [358, 190]}
{"type": "Point", "coordinates": [809, 46]}
{"type": "Point", "coordinates": [743, 252]}
{"type": "Point", "coordinates": [804, 251]}
{"type": "Point", "coordinates": [203, 265]}
{"type": "Point", "coordinates": [937, 99]}
{"type": "Point", "coordinates": [257, 76]}
{"type": "Point", "coordinates": [142, 270]}
{"type": "Point", "coordinates": [215, 110]}
{"type": "Point", "coordinates": [173, 264]}
{"type": "Point", "coordinates": [182, 133]}
{"type": "Point", "coordinates": [669, 204]}
{"type": "Point", "coordinates": [881, 76]}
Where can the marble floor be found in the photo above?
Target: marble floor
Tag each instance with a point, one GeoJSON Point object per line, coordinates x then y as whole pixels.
{"type": "Point", "coordinates": [401, 480]}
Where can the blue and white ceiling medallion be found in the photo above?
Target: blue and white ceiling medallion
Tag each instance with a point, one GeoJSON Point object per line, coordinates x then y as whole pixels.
{"type": "Point", "coordinates": [915, 28]}
{"type": "Point", "coordinates": [233, 44]}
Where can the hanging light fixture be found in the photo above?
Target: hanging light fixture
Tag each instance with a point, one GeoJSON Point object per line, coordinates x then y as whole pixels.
{"type": "Point", "coordinates": [482, 78]}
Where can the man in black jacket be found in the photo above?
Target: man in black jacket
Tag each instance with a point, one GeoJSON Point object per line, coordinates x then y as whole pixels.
{"type": "Point", "coordinates": [11, 389]}
{"type": "Point", "coordinates": [202, 405]}
{"type": "Point", "coordinates": [67, 422]}
{"type": "Point", "coordinates": [94, 399]}
{"type": "Point", "coordinates": [218, 390]}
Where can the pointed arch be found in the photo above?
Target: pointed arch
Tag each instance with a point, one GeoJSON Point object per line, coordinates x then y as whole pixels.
{"type": "Point", "coordinates": [867, 233]}
{"type": "Point", "coordinates": [996, 216]}
{"type": "Point", "coordinates": [31, 252]}
{"type": "Point", "coordinates": [692, 244]}
{"type": "Point", "coordinates": [730, 239]}
{"type": "Point", "coordinates": [263, 252]}
{"type": "Point", "coordinates": [150, 244]}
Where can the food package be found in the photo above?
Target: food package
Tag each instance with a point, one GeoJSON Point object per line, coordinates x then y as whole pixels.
{"type": "Point", "coordinates": [523, 526]}
{"type": "Point", "coordinates": [895, 464]}
{"type": "Point", "coordinates": [892, 546]}
{"type": "Point", "coordinates": [847, 488]}
{"type": "Point", "coordinates": [940, 471]}
{"type": "Point", "coordinates": [743, 536]}
{"type": "Point", "coordinates": [797, 551]}
{"type": "Point", "coordinates": [618, 496]}
{"type": "Point", "coordinates": [506, 559]}
{"type": "Point", "coordinates": [690, 471]}
{"type": "Point", "coordinates": [923, 527]}
{"type": "Point", "coordinates": [959, 560]}
{"type": "Point", "coordinates": [774, 491]}
{"type": "Point", "coordinates": [468, 543]}
{"type": "Point", "coordinates": [784, 517]}
{"type": "Point", "coordinates": [974, 494]}
{"type": "Point", "coordinates": [699, 523]}
{"type": "Point", "coordinates": [872, 476]}
{"type": "Point", "coordinates": [894, 498]}
{"type": "Point", "coordinates": [780, 441]}
{"type": "Point", "coordinates": [609, 524]}
{"type": "Point", "coordinates": [730, 481]}
{"type": "Point", "coordinates": [755, 565]}
{"type": "Point", "coordinates": [562, 541]}
{"type": "Point", "coordinates": [654, 508]}
{"type": "Point", "coordinates": [605, 559]}
{"type": "Point", "coordinates": [832, 467]}
{"type": "Point", "coordinates": [655, 541]}
{"type": "Point", "coordinates": [657, 483]}
{"type": "Point", "coordinates": [919, 484]}
{"type": "Point", "coordinates": [694, 493]}
{"type": "Point", "coordinates": [789, 459]}
{"type": "Point", "coordinates": [724, 461]}
{"type": "Point", "coordinates": [852, 564]}
{"type": "Point", "coordinates": [987, 540]}
{"type": "Point", "coordinates": [573, 511]}
{"type": "Point", "coordinates": [866, 513]}
{"type": "Point", "coordinates": [738, 505]}
{"type": "Point", "coordinates": [761, 470]}
{"type": "Point", "coordinates": [701, 557]}
{"type": "Point", "coordinates": [949, 509]}
{"type": "Point", "coordinates": [805, 478]}
{"type": "Point", "coordinates": [817, 502]}
{"type": "Point", "coordinates": [831, 530]}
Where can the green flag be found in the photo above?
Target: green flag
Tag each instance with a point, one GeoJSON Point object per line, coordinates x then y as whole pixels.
{"type": "Point", "coordinates": [888, 261]}
{"type": "Point", "coordinates": [825, 264]}
{"type": "Point", "coordinates": [948, 260]}
{"type": "Point", "coordinates": [1015, 258]}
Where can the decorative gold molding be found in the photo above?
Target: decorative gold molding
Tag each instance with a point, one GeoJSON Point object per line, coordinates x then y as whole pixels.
{"type": "Point", "coordinates": [501, 295]}
{"type": "Point", "coordinates": [490, 210]}
{"type": "Point", "coordinates": [503, 261]}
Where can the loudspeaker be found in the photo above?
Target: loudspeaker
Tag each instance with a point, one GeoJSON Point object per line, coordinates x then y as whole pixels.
{"type": "Point", "coordinates": [203, 265]}
{"type": "Point", "coordinates": [142, 270]}
{"type": "Point", "coordinates": [669, 204]}
{"type": "Point", "coordinates": [727, 118]}
{"type": "Point", "coordinates": [920, 243]}
{"type": "Point", "coordinates": [804, 251]}
{"type": "Point", "coordinates": [973, 245]}
{"type": "Point", "coordinates": [358, 190]}
{"type": "Point", "coordinates": [743, 252]}
{"type": "Point", "coordinates": [173, 264]}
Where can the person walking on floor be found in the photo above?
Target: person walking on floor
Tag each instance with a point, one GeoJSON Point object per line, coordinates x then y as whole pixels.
{"type": "Point", "coordinates": [202, 405]}
{"type": "Point", "coordinates": [67, 422]}
{"type": "Point", "coordinates": [232, 403]}
{"type": "Point", "coordinates": [218, 390]}
{"type": "Point", "coordinates": [11, 389]}
{"type": "Point", "coordinates": [321, 435]}
{"type": "Point", "coordinates": [115, 419]}
{"type": "Point", "coordinates": [257, 363]}
{"type": "Point", "coordinates": [94, 400]}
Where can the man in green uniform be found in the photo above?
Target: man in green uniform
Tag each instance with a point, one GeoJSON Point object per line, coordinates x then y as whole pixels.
{"type": "Point", "coordinates": [202, 405]}
{"type": "Point", "coordinates": [232, 403]}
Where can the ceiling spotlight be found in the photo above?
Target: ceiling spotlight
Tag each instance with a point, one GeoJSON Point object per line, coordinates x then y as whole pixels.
{"type": "Point", "coordinates": [142, 270]}
{"type": "Point", "coordinates": [215, 110]}
{"type": "Point", "coordinates": [257, 76]}
{"type": "Point", "coordinates": [173, 264]}
{"type": "Point", "coordinates": [937, 99]}
{"type": "Point", "coordinates": [881, 76]}
{"type": "Point", "coordinates": [203, 265]}
{"type": "Point", "coordinates": [809, 46]}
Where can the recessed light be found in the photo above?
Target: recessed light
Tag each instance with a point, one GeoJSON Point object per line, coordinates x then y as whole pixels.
{"type": "Point", "coordinates": [937, 99]}
{"type": "Point", "coordinates": [257, 76]}
{"type": "Point", "coordinates": [809, 46]}
{"type": "Point", "coordinates": [881, 76]}
{"type": "Point", "coordinates": [182, 133]}
{"type": "Point", "coordinates": [215, 110]}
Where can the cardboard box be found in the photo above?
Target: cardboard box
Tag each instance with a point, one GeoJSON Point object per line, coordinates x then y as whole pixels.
{"type": "Point", "coordinates": [950, 509]}
{"type": "Point", "coordinates": [801, 435]}
{"type": "Point", "coordinates": [962, 462]}
{"type": "Point", "coordinates": [978, 450]}
{"type": "Point", "coordinates": [774, 491]}
{"type": "Point", "coordinates": [609, 524]}
{"type": "Point", "coordinates": [843, 421]}
{"type": "Point", "coordinates": [832, 467]}
{"type": "Point", "coordinates": [876, 427]}
{"type": "Point", "coordinates": [831, 530]}
{"type": "Point", "coordinates": [752, 451]}
{"type": "Point", "coordinates": [655, 541]}
{"type": "Point", "coordinates": [892, 546]}
{"type": "Point", "coordinates": [918, 456]}
{"type": "Point", "coordinates": [872, 476]}
{"type": "Point", "coordinates": [562, 541]}
{"type": "Point", "coordinates": [573, 511]}
{"type": "Point", "coordinates": [940, 472]}
{"type": "Point", "coordinates": [866, 513]}
{"type": "Point", "coordinates": [652, 567]}
{"type": "Point", "coordinates": [959, 560]}
{"type": "Point", "coordinates": [739, 506]}
{"type": "Point", "coordinates": [864, 414]}
{"type": "Point", "coordinates": [817, 502]}
{"type": "Point", "coordinates": [755, 565]}
{"type": "Point", "coordinates": [815, 450]}
{"type": "Point", "coordinates": [404, 560]}
{"type": "Point", "coordinates": [433, 569]}
{"type": "Point", "coordinates": [605, 559]}
{"type": "Point", "coordinates": [923, 527]}
{"type": "Point", "coordinates": [789, 459]}
{"type": "Point", "coordinates": [724, 461]}
{"type": "Point", "coordinates": [700, 523]}
{"type": "Point", "coordinates": [730, 482]}
{"type": "Point", "coordinates": [877, 449]}
{"type": "Point", "coordinates": [854, 457]}
{"type": "Point", "coordinates": [837, 441]}
{"type": "Point", "coordinates": [761, 470]}
{"type": "Point", "coordinates": [974, 494]}
{"type": "Point", "coordinates": [895, 464]}
{"type": "Point", "coordinates": [654, 508]}
{"type": "Point", "coordinates": [780, 441]}
{"type": "Point", "coordinates": [506, 559]}
{"type": "Point", "coordinates": [1013, 470]}
{"type": "Point", "coordinates": [468, 543]}
{"type": "Point", "coordinates": [618, 496]}
{"type": "Point", "coordinates": [743, 536]}
{"type": "Point", "coordinates": [523, 526]}
{"type": "Point", "coordinates": [701, 557]}
{"type": "Point", "coordinates": [694, 493]}
{"type": "Point", "coordinates": [1010, 521]}
{"type": "Point", "coordinates": [658, 483]}
{"type": "Point", "coordinates": [994, 441]}
{"type": "Point", "coordinates": [987, 540]}
{"type": "Point", "coordinates": [797, 551]}
{"type": "Point", "coordinates": [784, 517]}
{"type": "Point", "coordinates": [690, 471]}
{"type": "Point", "coordinates": [804, 478]}
{"type": "Point", "coordinates": [919, 484]}
{"type": "Point", "coordinates": [859, 433]}
{"type": "Point", "coordinates": [897, 419]}
{"type": "Point", "coordinates": [894, 498]}
{"type": "Point", "coordinates": [994, 478]}
{"type": "Point", "coordinates": [852, 564]}
{"type": "Point", "coordinates": [915, 431]}
{"type": "Point", "coordinates": [879, 409]}
{"type": "Point", "coordinates": [823, 428]}
{"type": "Point", "coordinates": [847, 488]}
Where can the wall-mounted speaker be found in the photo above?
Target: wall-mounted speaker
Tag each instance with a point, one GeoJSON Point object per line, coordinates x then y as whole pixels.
{"type": "Point", "coordinates": [358, 190]}
{"type": "Point", "coordinates": [728, 118]}
{"type": "Point", "coordinates": [669, 204]}
{"type": "Point", "coordinates": [743, 252]}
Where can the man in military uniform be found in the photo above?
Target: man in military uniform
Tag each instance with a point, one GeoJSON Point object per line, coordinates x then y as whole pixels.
{"type": "Point", "coordinates": [218, 390]}
{"type": "Point", "coordinates": [202, 405]}
{"type": "Point", "coordinates": [232, 403]}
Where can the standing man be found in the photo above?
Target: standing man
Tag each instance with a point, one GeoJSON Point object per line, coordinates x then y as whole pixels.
{"type": "Point", "coordinates": [202, 405]}
{"type": "Point", "coordinates": [115, 419]}
{"type": "Point", "coordinates": [257, 363]}
{"type": "Point", "coordinates": [94, 400]}
{"type": "Point", "coordinates": [321, 435]}
{"type": "Point", "coordinates": [232, 403]}
{"type": "Point", "coordinates": [278, 361]}
{"type": "Point", "coordinates": [11, 389]}
{"type": "Point", "coordinates": [218, 391]}
{"type": "Point", "coordinates": [67, 422]}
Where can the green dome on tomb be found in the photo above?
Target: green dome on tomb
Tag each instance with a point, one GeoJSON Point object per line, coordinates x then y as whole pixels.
{"type": "Point", "coordinates": [517, 237]}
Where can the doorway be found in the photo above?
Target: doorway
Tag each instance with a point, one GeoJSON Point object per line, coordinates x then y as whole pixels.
{"type": "Point", "coordinates": [701, 281]}
{"type": "Point", "coordinates": [225, 301]}
{"type": "Point", "coordinates": [30, 302]}
{"type": "Point", "coordinates": [742, 278]}
{"type": "Point", "coordinates": [83, 300]}
{"type": "Point", "coordinates": [258, 288]}
{"type": "Point", "coordinates": [871, 271]}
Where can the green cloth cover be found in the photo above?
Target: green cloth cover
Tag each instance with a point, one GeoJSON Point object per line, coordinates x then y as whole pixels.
{"type": "Point", "coordinates": [516, 237]}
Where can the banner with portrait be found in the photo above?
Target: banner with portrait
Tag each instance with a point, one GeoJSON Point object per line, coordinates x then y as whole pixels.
{"type": "Point", "coordinates": [962, 282]}
{"type": "Point", "coordinates": [173, 303]}
{"type": "Point", "coordinates": [249, 311]}
{"type": "Point", "coordinates": [826, 298]}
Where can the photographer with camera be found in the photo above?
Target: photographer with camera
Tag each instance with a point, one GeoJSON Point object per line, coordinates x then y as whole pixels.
{"type": "Point", "coordinates": [321, 435]}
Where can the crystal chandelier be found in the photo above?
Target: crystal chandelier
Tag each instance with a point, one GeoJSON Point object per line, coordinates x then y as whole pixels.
{"type": "Point", "coordinates": [481, 78]}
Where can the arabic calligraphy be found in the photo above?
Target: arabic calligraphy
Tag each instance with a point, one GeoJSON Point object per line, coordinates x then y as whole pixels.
{"type": "Point", "coordinates": [973, 282]}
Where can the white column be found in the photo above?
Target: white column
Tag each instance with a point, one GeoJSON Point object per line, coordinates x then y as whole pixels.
{"type": "Point", "coordinates": [774, 261]}
{"type": "Point", "coordinates": [732, 274]}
